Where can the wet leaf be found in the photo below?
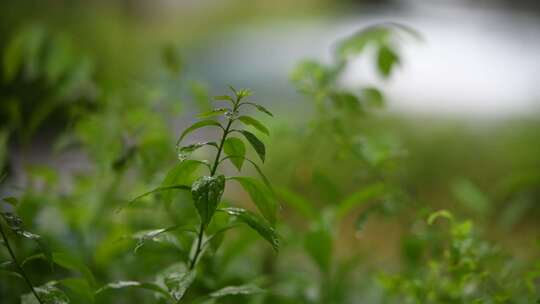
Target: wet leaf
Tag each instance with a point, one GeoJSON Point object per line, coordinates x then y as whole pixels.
{"type": "Point", "coordinates": [206, 192]}
{"type": "Point", "coordinates": [197, 125]}
{"type": "Point", "coordinates": [247, 289]}
{"type": "Point", "coordinates": [250, 121]}
{"type": "Point", "coordinates": [49, 294]}
{"type": "Point", "coordinates": [263, 197]}
{"type": "Point", "coordinates": [255, 143]}
{"type": "Point", "coordinates": [235, 147]}
{"type": "Point", "coordinates": [133, 284]}
{"type": "Point", "coordinates": [260, 225]}
{"type": "Point", "coordinates": [213, 112]}
{"type": "Point", "coordinates": [178, 283]}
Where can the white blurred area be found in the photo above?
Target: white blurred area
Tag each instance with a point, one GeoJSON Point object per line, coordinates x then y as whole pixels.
{"type": "Point", "coordinates": [474, 62]}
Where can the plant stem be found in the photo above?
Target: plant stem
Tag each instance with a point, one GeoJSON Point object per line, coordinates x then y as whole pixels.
{"type": "Point", "coordinates": [19, 268]}
{"type": "Point", "coordinates": [199, 246]}
{"type": "Point", "coordinates": [212, 173]}
{"type": "Point", "coordinates": [218, 154]}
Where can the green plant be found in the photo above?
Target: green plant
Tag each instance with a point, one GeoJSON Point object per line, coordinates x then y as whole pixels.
{"type": "Point", "coordinates": [13, 225]}
{"type": "Point", "coordinates": [206, 194]}
{"type": "Point", "coordinates": [460, 268]}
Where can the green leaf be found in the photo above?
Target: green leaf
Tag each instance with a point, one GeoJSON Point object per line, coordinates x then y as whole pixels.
{"type": "Point", "coordinates": [153, 235]}
{"type": "Point", "coordinates": [258, 169]}
{"type": "Point", "coordinates": [440, 214]}
{"type": "Point", "coordinates": [206, 192]}
{"type": "Point", "coordinates": [235, 147]}
{"type": "Point", "coordinates": [373, 96]}
{"type": "Point", "coordinates": [386, 60]}
{"type": "Point", "coordinates": [15, 224]}
{"type": "Point", "coordinates": [216, 238]}
{"type": "Point", "coordinates": [260, 225]}
{"type": "Point", "coordinates": [133, 284]}
{"type": "Point", "coordinates": [346, 100]}
{"type": "Point", "coordinates": [359, 197]}
{"type": "Point", "coordinates": [250, 121]}
{"type": "Point", "coordinates": [178, 283]}
{"type": "Point", "coordinates": [13, 57]}
{"type": "Point", "coordinates": [158, 189]}
{"type": "Point", "coordinates": [357, 43]}
{"type": "Point", "coordinates": [197, 125]}
{"type": "Point", "coordinates": [255, 143]}
{"type": "Point", "coordinates": [261, 195]}
{"type": "Point", "coordinates": [213, 112]}
{"type": "Point", "coordinates": [80, 288]}
{"type": "Point", "coordinates": [260, 108]}
{"type": "Point", "coordinates": [11, 200]}
{"type": "Point", "coordinates": [58, 59]}
{"type": "Point", "coordinates": [242, 93]}
{"type": "Point", "coordinates": [185, 151]}
{"type": "Point", "coordinates": [11, 273]}
{"type": "Point", "coordinates": [247, 289]}
{"type": "Point", "coordinates": [182, 173]}
{"type": "Point", "coordinates": [48, 293]}
{"type": "Point", "coordinates": [297, 202]}
{"type": "Point", "coordinates": [74, 264]}
{"type": "Point", "coordinates": [318, 244]}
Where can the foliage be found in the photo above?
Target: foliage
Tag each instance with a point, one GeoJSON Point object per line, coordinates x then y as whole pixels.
{"type": "Point", "coordinates": [106, 236]}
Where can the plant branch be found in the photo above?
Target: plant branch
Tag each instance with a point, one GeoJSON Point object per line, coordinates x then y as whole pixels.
{"type": "Point", "coordinates": [198, 250]}
{"type": "Point", "coordinates": [19, 268]}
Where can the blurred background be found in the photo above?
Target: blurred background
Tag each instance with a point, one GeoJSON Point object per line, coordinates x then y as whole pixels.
{"type": "Point", "coordinates": [94, 94]}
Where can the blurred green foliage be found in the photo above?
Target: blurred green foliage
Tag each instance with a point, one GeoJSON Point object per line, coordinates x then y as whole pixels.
{"type": "Point", "coordinates": [354, 186]}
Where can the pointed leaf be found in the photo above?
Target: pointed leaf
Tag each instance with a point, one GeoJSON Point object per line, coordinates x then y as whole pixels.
{"type": "Point", "coordinates": [178, 283]}
{"type": "Point", "coordinates": [15, 224]}
{"type": "Point", "coordinates": [48, 293]}
{"type": "Point", "coordinates": [153, 235]}
{"type": "Point", "coordinates": [386, 60]}
{"type": "Point", "coordinates": [11, 200]}
{"type": "Point", "coordinates": [318, 244]}
{"type": "Point", "coordinates": [263, 198]}
{"type": "Point", "coordinates": [185, 151]}
{"type": "Point", "coordinates": [74, 264]}
{"type": "Point", "coordinates": [250, 121]}
{"type": "Point", "coordinates": [235, 147]}
{"type": "Point", "coordinates": [359, 197]}
{"type": "Point", "coordinates": [260, 225]}
{"type": "Point", "coordinates": [158, 189]}
{"type": "Point", "coordinates": [80, 288]}
{"type": "Point", "coordinates": [255, 143]}
{"type": "Point", "coordinates": [260, 108]}
{"type": "Point", "coordinates": [206, 192]}
{"type": "Point", "coordinates": [213, 112]}
{"type": "Point", "coordinates": [197, 125]}
{"type": "Point", "coordinates": [182, 173]}
{"type": "Point", "coordinates": [237, 290]}
{"type": "Point", "coordinates": [224, 98]}
{"type": "Point", "coordinates": [134, 284]}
